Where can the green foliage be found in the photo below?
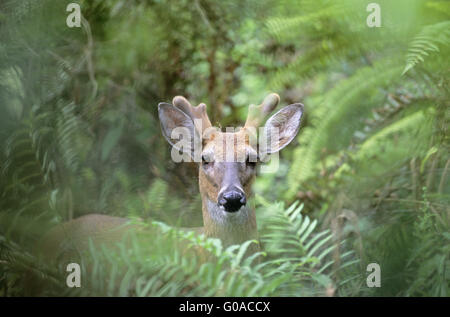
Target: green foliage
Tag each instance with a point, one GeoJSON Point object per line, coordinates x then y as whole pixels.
{"type": "Point", "coordinates": [300, 268]}
{"type": "Point", "coordinates": [151, 263]}
{"type": "Point", "coordinates": [431, 250]}
{"type": "Point", "coordinates": [290, 239]}
{"type": "Point", "coordinates": [427, 41]}
{"type": "Point", "coordinates": [374, 136]}
{"type": "Point", "coordinates": [80, 134]}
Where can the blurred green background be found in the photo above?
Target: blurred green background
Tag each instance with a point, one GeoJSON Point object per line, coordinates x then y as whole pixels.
{"type": "Point", "coordinates": [80, 133]}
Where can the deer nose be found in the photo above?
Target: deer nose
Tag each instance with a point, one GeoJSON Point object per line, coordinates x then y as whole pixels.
{"type": "Point", "coordinates": [232, 201]}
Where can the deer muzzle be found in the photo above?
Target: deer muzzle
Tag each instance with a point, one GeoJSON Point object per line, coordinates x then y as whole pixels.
{"type": "Point", "coordinates": [232, 199]}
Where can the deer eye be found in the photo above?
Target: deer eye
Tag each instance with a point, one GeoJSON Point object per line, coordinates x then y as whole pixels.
{"type": "Point", "coordinates": [206, 160]}
{"type": "Point", "coordinates": [250, 161]}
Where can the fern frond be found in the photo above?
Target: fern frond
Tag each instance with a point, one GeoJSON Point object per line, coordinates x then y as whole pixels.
{"type": "Point", "coordinates": [340, 103]}
{"type": "Point", "coordinates": [426, 42]}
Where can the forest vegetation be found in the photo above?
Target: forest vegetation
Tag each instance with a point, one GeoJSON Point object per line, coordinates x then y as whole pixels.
{"type": "Point", "coordinates": [365, 181]}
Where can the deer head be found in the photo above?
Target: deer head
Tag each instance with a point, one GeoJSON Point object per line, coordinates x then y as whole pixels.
{"type": "Point", "coordinates": [228, 160]}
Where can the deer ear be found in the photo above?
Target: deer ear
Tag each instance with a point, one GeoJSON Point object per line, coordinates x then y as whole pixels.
{"type": "Point", "coordinates": [281, 128]}
{"type": "Point", "coordinates": [178, 128]}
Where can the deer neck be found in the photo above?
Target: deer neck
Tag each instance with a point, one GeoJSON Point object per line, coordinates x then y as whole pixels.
{"type": "Point", "coordinates": [230, 228]}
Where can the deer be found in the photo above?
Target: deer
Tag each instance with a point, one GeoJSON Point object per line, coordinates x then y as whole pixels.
{"type": "Point", "coordinates": [227, 161]}
{"type": "Point", "coordinates": [227, 167]}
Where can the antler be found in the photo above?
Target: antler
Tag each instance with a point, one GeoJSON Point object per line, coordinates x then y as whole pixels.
{"type": "Point", "coordinates": [194, 113]}
{"type": "Point", "coordinates": [256, 114]}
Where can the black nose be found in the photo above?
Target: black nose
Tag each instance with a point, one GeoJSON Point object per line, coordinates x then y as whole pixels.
{"type": "Point", "coordinates": [232, 201]}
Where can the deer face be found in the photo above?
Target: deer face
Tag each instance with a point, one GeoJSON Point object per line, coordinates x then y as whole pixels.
{"type": "Point", "coordinates": [227, 169]}
{"type": "Point", "coordinates": [228, 160]}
